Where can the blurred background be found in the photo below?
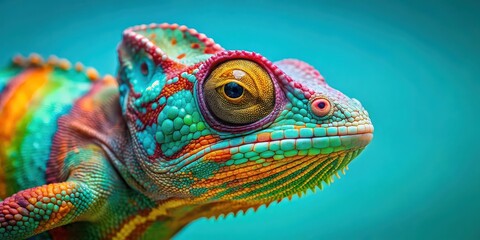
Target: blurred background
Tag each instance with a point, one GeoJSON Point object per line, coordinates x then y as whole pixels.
{"type": "Point", "coordinates": [412, 64]}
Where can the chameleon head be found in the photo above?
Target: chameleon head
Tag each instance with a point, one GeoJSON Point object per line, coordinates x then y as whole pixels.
{"type": "Point", "coordinates": [214, 126]}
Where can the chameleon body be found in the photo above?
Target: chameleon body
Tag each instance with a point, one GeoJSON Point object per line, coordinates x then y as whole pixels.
{"type": "Point", "coordinates": [185, 130]}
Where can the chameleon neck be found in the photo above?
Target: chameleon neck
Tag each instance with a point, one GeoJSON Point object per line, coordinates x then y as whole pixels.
{"type": "Point", "coordinates": [171, 213]}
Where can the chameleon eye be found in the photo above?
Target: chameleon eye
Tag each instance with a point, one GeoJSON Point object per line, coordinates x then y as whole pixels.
{"type": "Point", "coordinates": [321, 107]}
{"type": "Point", "coordinates": [144, 69]}
{"type": "Point", "coordinates": [239, 92]}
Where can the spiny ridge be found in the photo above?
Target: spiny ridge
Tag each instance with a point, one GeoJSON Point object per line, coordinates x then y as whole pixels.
{"type": "Point", "coordinates": [302, 192]}
{"type": "Point", "coordinates": [35, 60]}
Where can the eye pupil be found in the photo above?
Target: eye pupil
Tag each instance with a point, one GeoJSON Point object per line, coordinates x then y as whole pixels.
{"type": "Point", "coordinates": [233, 90]}
{"type": "Point", "coordinates": [321, 105]}
{"type": "Point", "coordinates": [144, 69]}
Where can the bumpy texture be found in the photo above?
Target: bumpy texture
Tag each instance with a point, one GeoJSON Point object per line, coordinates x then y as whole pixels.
{"type": "Point", "coordinates": [186, 130]}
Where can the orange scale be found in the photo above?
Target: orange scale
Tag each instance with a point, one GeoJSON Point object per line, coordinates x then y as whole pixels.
{"type": "Point", "coordinates": [181, 56]}
{"type": "Point", "coordinates": [152, 37]}
{"type": "Point", "coordinates": [92, 73]}
{"type": "Point", "coordinates": [298, 126]}
{"type": "Point", "coordinates": [223, 157]}
{"type": "Point", "coordinates": [263, 137]}
{"type": "Point", "coordinates": [212, 140]}
{"type": "Point", "coordinates": [35, 59]}
{"type": "Point", "coordinates": [87, 105]}
{"type": "Point", "coordinates": [65, 65]}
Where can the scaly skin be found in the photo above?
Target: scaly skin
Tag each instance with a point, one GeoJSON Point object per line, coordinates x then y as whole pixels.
{"type": "Point", "coordinates": [187, 130]}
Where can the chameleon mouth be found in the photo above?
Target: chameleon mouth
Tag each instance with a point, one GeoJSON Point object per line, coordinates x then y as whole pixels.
{"type": "Point", "coordinates": [254, 176]}
{"type": "Point", "coordinates": [265, 171]}
{"type": "Point", "coordinates": [350, 130]}
{"type": "Point", "coordinates": [287, 143]}
{"type": "Point", "coordinates": [277, 145]}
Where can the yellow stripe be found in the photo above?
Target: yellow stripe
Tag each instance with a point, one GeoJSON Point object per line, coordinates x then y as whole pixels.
{"type": "Point", "coordinates": [129, 227]}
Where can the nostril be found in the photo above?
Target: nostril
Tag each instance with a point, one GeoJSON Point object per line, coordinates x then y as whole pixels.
{"type": "Point", "coordinates": [321, 107]}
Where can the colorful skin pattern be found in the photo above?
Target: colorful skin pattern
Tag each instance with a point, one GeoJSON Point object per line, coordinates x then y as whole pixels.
{"type": "Point", "coordinates": [186, 130]}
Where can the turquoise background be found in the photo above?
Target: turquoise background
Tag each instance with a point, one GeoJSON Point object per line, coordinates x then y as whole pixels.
{"type": "Point", "coordinates": [413, 64]}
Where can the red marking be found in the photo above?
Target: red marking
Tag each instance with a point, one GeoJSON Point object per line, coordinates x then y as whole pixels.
{"type": "Point", "coordinates": [174, 41]}
{"type": "Point", "coordinates": [209, 51]}
{"type": "Point", "coordinates": [181, 56]}
{"type": "Point", "coordinates": [196, 145]}
{"type": "Point", "coordinates": [195, 45]}
{"type": "Point", "coordinates": [182, 84]}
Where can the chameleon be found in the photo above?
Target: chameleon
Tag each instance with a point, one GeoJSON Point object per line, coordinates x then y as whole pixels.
{"type": "Point", "coordinates": [184, 130]}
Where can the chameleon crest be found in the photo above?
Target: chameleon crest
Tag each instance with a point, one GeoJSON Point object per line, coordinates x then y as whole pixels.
{"type": "Point", "coordinates": [188, 130]}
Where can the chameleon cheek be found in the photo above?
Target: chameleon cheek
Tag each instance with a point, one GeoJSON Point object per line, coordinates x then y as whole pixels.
{"type": "Point", "coordinates": [321, 107]}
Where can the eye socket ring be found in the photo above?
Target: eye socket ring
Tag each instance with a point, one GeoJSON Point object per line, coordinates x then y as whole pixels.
{"type": "Point", "coordinates": [321, 107]}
